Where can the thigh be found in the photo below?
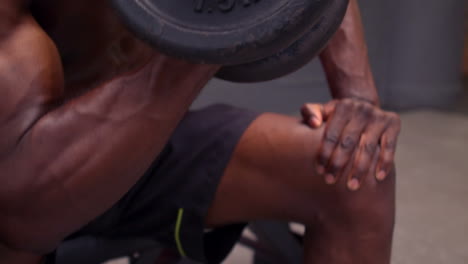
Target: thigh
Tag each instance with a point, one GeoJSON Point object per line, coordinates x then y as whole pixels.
{"type": "Point", "coordinates": [272, 175]}
{"type": "Point", "coordinates": [272, 168]}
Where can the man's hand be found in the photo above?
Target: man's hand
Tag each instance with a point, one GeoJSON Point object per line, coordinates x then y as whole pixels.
{"type": "Point", "coordinates": [355, 131]}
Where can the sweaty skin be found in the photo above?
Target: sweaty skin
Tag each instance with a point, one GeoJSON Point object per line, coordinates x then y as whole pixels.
{"type": "Point", "coordinates": [88, 106]}
{"type": "Point", "coordinates": [84, 104]}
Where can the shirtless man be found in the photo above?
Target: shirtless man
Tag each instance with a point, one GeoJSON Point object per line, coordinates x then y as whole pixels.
{"type": "Point", "coordinates": [96, 139]}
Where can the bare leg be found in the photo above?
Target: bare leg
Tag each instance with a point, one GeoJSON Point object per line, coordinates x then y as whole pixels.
{"type": "Point", "coordinates": [271, 176]}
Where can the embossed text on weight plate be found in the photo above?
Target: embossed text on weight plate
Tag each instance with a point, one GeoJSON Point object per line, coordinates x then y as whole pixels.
{"type": "Point", "coordinates": [221, 5]}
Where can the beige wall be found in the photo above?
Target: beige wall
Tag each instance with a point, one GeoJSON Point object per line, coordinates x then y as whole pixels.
{"type": "Point", "coordinates": [465, 57]}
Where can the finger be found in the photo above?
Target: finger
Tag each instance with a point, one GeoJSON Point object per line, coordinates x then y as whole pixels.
{"type": "Point", "coordinates": [313, 114]}
{"type": "Point", "coordinates": [388, 146]}
{"type": "Point", "coordinates": [369, 178]}
{"type": "Point", "coordinates": [349, 140]}
{"type": "Point", "coordinates": [368, 148]}
{"type": "Point", "coordinates": [332, 135]}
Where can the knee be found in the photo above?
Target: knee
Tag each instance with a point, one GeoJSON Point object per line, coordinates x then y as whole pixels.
{"type": "Point", "coordinates": [374, 198]}
{"type": "Point", "coordinates": [372, 208]}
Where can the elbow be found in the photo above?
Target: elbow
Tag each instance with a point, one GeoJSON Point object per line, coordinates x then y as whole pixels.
{"type": "Point", "coordinates": [27, 222]}
{"type": "Point", "coordinates": [36, 215]}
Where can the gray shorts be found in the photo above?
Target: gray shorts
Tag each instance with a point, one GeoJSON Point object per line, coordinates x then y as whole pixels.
{"type": "Point", "coordinates": [170, 202]}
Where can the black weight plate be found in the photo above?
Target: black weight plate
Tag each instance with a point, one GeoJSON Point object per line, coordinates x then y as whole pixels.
{"type": "Point", "coordinates": [224, 32]}
{"type": "Point", "coordinates": [295, 56]}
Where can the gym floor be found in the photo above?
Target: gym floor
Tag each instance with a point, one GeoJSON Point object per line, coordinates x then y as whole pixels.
{"type": "Point", "coordinates": [432, 215]}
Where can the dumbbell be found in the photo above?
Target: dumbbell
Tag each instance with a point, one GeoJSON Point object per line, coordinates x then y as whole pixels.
{"type": "Point", "coordinates": [293, 57]}
{"type": "Point", "coordinates": [254, 40]}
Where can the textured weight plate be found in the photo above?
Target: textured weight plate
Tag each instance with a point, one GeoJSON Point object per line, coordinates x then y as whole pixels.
{"type": "Point", "coordinates": [295, 56]}
{"type": "Point", "coordinates": [222, 32]}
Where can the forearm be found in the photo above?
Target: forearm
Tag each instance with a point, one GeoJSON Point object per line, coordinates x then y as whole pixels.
{"type": "Point", "coordinates": [345, 60]}
{"type": "Point", "coordinates": [78, 160]}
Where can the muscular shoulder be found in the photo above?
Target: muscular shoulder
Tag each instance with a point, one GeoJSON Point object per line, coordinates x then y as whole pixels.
{"type": "Point", "coordinates": [30, 78]}
{"type": "Point", "coordinates": [94, 44]}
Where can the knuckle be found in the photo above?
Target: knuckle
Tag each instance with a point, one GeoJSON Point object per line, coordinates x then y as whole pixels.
{"type": "Point", "coordinates": [369, 106]}
{"type": "Point", "coordinates": [348, 142]}
{"type": "Point", "coordinates": [379, 115]}
{"type": "Point", "coordinates": [332, 137]}
{"type": "Point", "coordinates": [370, 147]}
{"type": "Point", "coordinates": [393, 118]}
{"type": "Point", "coordinates": [390, 144]}
{"type": "Point", "coordinates": [359, 108]}
{"type": "Point", "coordinates": [367, 110]}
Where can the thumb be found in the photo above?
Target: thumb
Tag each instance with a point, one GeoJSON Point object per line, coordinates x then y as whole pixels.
{"type": "Point", "coordinates": [312, 115]}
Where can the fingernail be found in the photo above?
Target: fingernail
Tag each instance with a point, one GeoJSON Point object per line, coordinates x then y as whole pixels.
{"type": "Point", "coordinates": [381, 175]}
{"type": "Point", "coordinates": [353, 185]}
{"type": "Point", "coordinates": [330, 179]}
{"type": "Point", "coordinates": [320, 169]}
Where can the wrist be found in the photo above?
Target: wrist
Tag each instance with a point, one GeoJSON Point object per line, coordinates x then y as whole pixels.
{"type": "Point", "coordinates": [356, 87]}
{"type": "Point", "coordinates": [374, 102]}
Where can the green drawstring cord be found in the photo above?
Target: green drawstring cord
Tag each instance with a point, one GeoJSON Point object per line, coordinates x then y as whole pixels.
{"type": "Point", "coordinates": [177, 233]}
